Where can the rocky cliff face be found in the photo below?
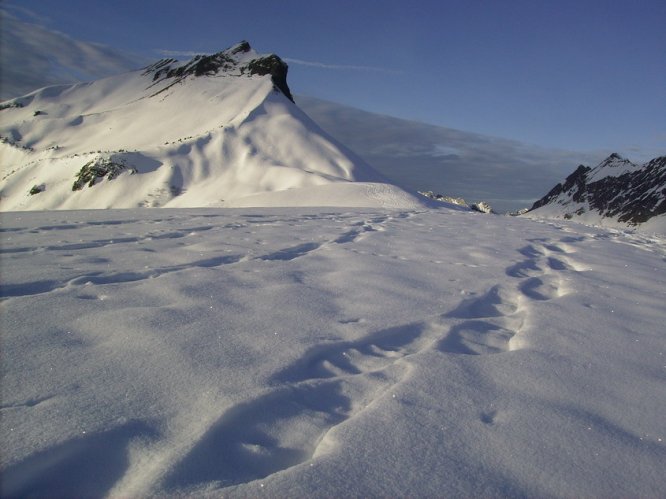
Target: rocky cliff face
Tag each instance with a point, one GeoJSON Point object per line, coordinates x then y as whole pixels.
{"type": "Point", "coordinates": [616, 189]}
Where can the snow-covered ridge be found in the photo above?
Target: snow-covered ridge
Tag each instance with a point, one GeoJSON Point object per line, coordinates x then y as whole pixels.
{"type": "Point", "coordinates": [218, 130]}
{"type": "Point", "coordinates": [615, 192]}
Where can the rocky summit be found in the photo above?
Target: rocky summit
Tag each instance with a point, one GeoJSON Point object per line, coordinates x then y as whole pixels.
{"type": "Point", "coordinates": [239, 60]}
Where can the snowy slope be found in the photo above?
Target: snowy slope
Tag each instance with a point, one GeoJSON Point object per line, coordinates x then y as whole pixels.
{"type": "Point", "coordinates": [208, 132]}
{"type": "Point", "coordinates": [615, 193]}
{"type": "Point", "coordinates": [329, 353]}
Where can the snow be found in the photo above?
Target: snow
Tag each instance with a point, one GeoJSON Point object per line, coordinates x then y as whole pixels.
{"type": "Point", "coordinates": [329, 352]}
{"type": "Point", "coordinates": [223, 140]}
{"type": "Point", "coordinates": [613, 166]}
{"type": "Point", "coordinates": [655, 225]}
{"type": "Point", "coordinates": [290, 324]}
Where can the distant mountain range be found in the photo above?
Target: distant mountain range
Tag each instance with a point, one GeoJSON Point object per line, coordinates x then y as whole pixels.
{"type": "Point", "coordinates": [217, 130]}
{"type": "Point", "coordinates": [615, 192]}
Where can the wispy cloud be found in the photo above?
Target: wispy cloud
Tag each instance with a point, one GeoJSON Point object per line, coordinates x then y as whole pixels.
{"type": "Point", "coordinates": [34, 56]}
{"type": "Point", "coordinates": [339, 67]}
{"type": "Point", "coordinates": [291, 60]}
{"type": "Point", "coordinates": [179, 53]}
{"type": "Point", "coordinates": [27, 14]}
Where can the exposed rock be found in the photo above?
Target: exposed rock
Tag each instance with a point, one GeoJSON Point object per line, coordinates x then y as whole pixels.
{"type": "Point", "coordinates": [519, 212]}
{"type": "Point", "coordinates": [574, 184]}
{"type": "Point", "coordinates": [274, 66]}
{"type": "Point", "coordinates": [234, 61]}
{"type": "Point", "coordinates": [444, 199]}
{"type": "Point", "coordinates": [11, 105]}
{"type": "Point", "coordinates": [482, 207]}
{"type": "Point", "coordinates": [98, 169]}
{"type": "Point", "coordinates": [36, 189]}
{"type": "Point", "coordinates": [615, 189]}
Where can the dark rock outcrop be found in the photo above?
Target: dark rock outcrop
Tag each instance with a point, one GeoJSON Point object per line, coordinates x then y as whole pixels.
{"type": "Point", "coordinates": [231, 61]}
{"type": "Point", "coordinates": [98, 169]}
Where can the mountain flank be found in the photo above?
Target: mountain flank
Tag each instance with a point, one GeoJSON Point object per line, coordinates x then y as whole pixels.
{"type": "Point", "coordinates": [217, 130]}
{"type": "Point", "coordinates": [616, 191]}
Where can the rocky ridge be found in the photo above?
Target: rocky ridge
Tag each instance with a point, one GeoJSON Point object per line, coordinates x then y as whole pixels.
{"type": "Point", "coordinates": [616, 189]}
{"type": "Point", "coordinates": [239, 60]}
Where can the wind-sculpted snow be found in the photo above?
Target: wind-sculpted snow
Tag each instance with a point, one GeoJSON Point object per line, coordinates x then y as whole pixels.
{"type": "Point", "coordinates": [329, 352]}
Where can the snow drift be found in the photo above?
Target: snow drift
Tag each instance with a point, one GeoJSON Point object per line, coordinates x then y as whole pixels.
{"type": "Point", "coordinates": [218, 130]}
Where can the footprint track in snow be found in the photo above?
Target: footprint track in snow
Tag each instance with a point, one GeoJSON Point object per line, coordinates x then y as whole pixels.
{"type": "Point", "coordinates": [334, 382]}
{"type": "Point", "coordinates": [371, 353]}
{"type": "Point", "coordinates": [477, 337]}
{"type": "Point", "coordinates": [354, 233]}
{"type": "Point", "coordinates": [488, 324]}
{"type": "Point", "coordinates": [285, 427]}
{"type": "Point", "coordinates": [491, 323]}
{"type": "Point", "coordinates": [359, 229]}
{"type": "Point", "coordinates": [271, 433]}
{"type": "Point", "coordinates": [102, 278]}
{"type": "Point", "coordinates": [543, 271]}
{"type": "Point", "coordinates": [541, 288]}
{"type": "Point", "coordinates": [331, 384]}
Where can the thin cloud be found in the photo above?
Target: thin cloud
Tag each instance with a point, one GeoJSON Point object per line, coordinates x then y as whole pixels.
{"type": "Point", "coordinates": [26, 13]}
{"type": "Point", "coordinates": [178, 53]}
{"type": "Point", "coordinates": [34, 56]}
{"type": "Point", "coordinates": [339, 67]}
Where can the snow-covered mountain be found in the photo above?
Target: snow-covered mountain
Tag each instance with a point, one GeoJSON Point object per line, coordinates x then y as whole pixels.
{"type": "Point", "coordinates": [218, 130]}
{"type": "Point", "coordinates": [615, 192]}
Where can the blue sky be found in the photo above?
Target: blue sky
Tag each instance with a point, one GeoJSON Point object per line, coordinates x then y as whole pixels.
{"type": "Point", "coordinates": [579, 75]}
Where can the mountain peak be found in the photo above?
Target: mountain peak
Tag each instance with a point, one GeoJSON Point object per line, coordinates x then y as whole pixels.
{"type": "Point", "coordinates": [215, 130]}
{"type": "Point", "coordinates": [616, 189]}
{"type": "Point", "coordinates": [615, 160]}
{"type": "Point", "coordinates": [243, 46]}
{"type": "Point", "coordinates": [237, 60]}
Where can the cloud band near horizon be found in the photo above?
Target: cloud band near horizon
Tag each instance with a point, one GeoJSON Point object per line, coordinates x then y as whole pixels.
{"type": "Point", "coordinates": [339, 67]}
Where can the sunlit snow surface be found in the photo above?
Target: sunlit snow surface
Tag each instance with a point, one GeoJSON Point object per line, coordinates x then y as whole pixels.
{"type": "Point", "coordinates": [319, 352]}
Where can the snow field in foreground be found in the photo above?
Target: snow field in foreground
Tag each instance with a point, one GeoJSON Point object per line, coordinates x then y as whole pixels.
{"type": "Point", "coordinates": [321, 352]}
